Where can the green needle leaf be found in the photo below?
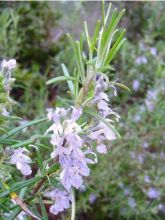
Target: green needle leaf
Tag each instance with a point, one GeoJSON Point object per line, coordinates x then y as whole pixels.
{"type": "Point", "coordinates": [62, 78]}
{"type": "Point", "coordinates": [20, 128]}
{"type": "Point", "coordinates": [45, 216]}
{"type": "Point", "coordinates": [20, 185]}
{"type": "Point", "coordinates": [122, 86]}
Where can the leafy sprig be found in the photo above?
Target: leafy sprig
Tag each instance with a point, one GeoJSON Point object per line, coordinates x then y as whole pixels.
{"type": "Point", "coordinates": [102, 49]}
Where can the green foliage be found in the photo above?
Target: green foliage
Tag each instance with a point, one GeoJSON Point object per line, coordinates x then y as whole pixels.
{"type": "Point", "coordinates": [122, 173]}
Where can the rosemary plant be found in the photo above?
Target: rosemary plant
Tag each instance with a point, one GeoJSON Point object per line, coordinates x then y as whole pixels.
{"type": "Point", "coordinates": [76, 134]}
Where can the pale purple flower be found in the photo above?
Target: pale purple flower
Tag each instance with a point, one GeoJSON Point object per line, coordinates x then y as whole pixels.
{"type": "Point", "coordinates": [97, 134]}
{"type": "Point", "coordinates": [56, 128]}
{"type": "Point", "coordinates": [10, 64]}
{"type": "Point", "coordinates": [76, 113]}
{"type": "Point", "coordinates": [103, 105]}
{"type": "Point", "coordinates": [102, 96]}
{"type": "Point", "coordinates": [136, 85]}
{"type": "Point", "coordinates": [71, 127]}
{"type": "Point", "coordinates": [65, 126]}
{"type": "Point", "coordinates": [56, 140]}
{"type": "Point", "coordinates": [92, 198]}
{"type": "Point", "coordinates": [131, 202]}
{"type": "Point", "coordinates": [73, 142]}
{"type": "Point", "coordinates": [102, 132]}
{"type": "Point", "coordinates": [101, 83]}
{"type": "Point", "coordinates": [99, 97]}
{"type": "Point", "coordinates": [75, 146]}
{"type": "Point", "coordinates": [21, 160]}
{"type": "Point", "coordinates": [141, 60]}
{"type": "Point", "coordinates": [153, 193]}
{"type": "Point", "coordinates": [57, 114]}
{"type": "Point", "coordinates": [101, 148]}
{"type": "Point", "coordinates": [153, 51]}
{"type": "Point", "coordinates": [59, 151]}
{"type": "Point", "coordinates": [61, 200]}
{"type": "Point", "coordinates": [107, 131]}
{"type": "Point", "coordinates": [72, 173]}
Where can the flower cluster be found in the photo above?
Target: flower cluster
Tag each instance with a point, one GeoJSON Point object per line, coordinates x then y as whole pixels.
{"type": "Point", "coordinates": [21, 160]}
{"type": "Point", "coordinates": [141, 60]}
{"type": "Point", "coordinates": [101, 132]}
{"type": "Point", "coordinates": [5, 84]}
{"type": "Point", "coordinates": [153, 193]}
{"type": "Point", "coordinates": [70, 149]}
{"type": "Point", "coordinates": [151, 99]}
{"type": "Point", "coordinates": [61, 199]}
{"type": "Point", "coordinates": [19, 156]}
{"type": "Point", "coordinates": [74, 143]}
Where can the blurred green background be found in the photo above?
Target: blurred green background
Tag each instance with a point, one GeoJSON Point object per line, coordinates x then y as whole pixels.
{"type": "Point", "coordinates": [129, 182]}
